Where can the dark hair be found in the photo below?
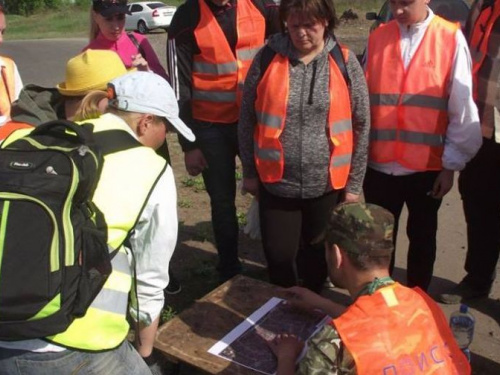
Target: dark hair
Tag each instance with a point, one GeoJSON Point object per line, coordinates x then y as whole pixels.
{"type": "Point", "coordinates": [316, 9]}
{"type": "Point", "coordinates": [361, 262]}
{"type": "Point", "coordinates": [3, 8]}
{"type": "Point", "coordinates": [364, 262]}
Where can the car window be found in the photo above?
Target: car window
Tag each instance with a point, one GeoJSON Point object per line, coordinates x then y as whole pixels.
{"type": "Point", "coordinates": [136, 8]}
{"type": "Point", "coordinates": [385, 13]}
{"type": "Point", "coordinates": [156, 5]}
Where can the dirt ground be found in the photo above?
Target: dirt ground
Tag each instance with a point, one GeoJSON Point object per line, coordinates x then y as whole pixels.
{"type": "Point", "coordinates": [195, 256]}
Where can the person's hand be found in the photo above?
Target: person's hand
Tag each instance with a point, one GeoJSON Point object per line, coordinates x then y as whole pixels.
{"type": "Point", "coordinates": [251, 185]}
{"type": "Point", "coordinates": [140, 63]}
{"type": "Point", "coordinates": [442, 184]}
{"type": "Point", "coordinates": [286, 347]}
{"type": "Point", "coordinates": [195, 162]}
{"type": "Point", "coordinates": [350, 198]}
{"type": "Point", "coordinates": [305, 299]}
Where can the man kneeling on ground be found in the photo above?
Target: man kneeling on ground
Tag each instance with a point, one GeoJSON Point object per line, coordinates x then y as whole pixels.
{"type": "Point", "coordinates": [389, 329]}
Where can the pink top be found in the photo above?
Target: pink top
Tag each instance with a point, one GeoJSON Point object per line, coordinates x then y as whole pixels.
{"type": "Point", "coordinates": [126, 48]}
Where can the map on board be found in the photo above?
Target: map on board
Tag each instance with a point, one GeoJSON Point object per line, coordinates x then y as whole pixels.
{"type": "Point", "coordinates": [246, 344]}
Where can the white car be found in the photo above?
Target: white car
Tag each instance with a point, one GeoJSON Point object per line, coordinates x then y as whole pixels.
{"type": "Point", "coordinates": [149, 15]}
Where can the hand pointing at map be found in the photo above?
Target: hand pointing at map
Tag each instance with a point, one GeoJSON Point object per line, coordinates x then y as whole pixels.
{"type": "Point", "coordinates": [286, 347]}
{"type": "Point", "coordinates": [308, 300]}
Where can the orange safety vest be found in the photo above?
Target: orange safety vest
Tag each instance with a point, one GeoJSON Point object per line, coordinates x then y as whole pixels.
{"type": "Point", "coordinates": [271, 106]}
{"type": "Point", "coordinates": [10, 126]}
{"type": "Point", "coordinates": [398, 330]}
{"type": "Point", "coordinates": [480, 37]}
{"type": "Point", "coordinates": [409, 108]}
{"type": "Point", "coordinates": [7, 86]}
{"type": "Point", "coordinates": [217, 75]}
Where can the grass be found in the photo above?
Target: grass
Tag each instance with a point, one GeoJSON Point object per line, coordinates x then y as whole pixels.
{"type": "Point", "coordinates": [357, 5]}
{"type": "Point", "coordinates": [194, 182]}
{"type": "Point", "coordinates": [184, 203]}
{"type": "Point", "coordinates": [67, 22]}
{"type": "Point", "coordinates": [73, 21]}
{"type": "Point", "coordinates": [168, 313]}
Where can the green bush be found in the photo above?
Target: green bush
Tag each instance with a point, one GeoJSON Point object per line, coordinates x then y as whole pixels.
{"type": "Point", "coordinates": [82, 3]}
{"type": "Point", "coordinates": [24, 7]}
{"type": "Point", "coordinates": [54, 4]}
{"type": "Point", "coordinates": [28, 7]}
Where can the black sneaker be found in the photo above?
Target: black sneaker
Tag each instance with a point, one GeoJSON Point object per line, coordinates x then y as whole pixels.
{"type": "Point", "coordinates": [174, 286]}
{"type": "Point", "coordinates": [462, 292]}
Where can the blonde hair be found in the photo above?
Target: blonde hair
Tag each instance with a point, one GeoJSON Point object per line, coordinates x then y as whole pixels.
{"type": "Point", "coordinates": [94, 28]}
{"type": "Point", "coordinates": [89, 107]}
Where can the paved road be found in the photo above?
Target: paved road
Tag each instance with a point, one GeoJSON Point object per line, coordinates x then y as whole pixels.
{"type": "Point", "coordinates": [43, 62]}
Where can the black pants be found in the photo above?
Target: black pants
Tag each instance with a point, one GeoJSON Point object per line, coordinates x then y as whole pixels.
{"type": "Point", "coordinates": [479, 185]}
{"type": "Point", "coordinates": [392, 192]}
{"type": "Point", "coordinates": [292, 232]}
{"type": "Point", "coordinates": [219, 144]}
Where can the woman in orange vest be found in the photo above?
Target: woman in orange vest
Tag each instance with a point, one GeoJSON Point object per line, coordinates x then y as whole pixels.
{"type": "Point", "coordinates": [303, 137]}
{"type": "Point", "coordinates": [10, 82]}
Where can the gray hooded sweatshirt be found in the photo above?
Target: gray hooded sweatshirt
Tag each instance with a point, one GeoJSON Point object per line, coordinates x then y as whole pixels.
{"type": "Point", "coordinates": [305, 141]}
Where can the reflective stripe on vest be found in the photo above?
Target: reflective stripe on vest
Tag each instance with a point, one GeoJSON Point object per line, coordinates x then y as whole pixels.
{"type": "Point", "coordinates": [7, 86]}
{"type": "Point", "coordinates": [400, 330]}
{"type": "Point", "coordinates": [409, 108]}
{"type": "Point", "coordinates": [270, 107]}
{"type": "Point", "coordinates": [126, 181]}
{"type": "Point", "coordinates": [11, 126]}
{"type": "Point", "coordinates": [479, 39]}
{"type": "Point", "coordinates": [218, 76]}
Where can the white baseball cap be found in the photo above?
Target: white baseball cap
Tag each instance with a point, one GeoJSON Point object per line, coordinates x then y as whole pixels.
{"type": "Point", "coordinates": [147, 92]}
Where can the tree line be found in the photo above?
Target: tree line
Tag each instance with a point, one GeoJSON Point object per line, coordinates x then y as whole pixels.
{"type": "Point", "coordinates": [28, 7]}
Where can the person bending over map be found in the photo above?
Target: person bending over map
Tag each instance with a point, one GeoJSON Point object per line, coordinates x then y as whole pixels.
{"type": "Point", "coordinates": [416, 337]}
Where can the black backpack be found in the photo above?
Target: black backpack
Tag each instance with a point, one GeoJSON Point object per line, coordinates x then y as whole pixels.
{"type": "Point", "coordinates": [54, 257]}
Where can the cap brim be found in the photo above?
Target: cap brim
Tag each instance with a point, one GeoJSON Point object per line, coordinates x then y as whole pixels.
{"type": "Point", "coordinates": [116, 9]}
{"type": "Point", "coordinates": [182, 128]}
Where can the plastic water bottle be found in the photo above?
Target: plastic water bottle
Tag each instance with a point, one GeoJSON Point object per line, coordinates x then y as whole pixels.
{"type": "Point", "coordinates": [462, 325]}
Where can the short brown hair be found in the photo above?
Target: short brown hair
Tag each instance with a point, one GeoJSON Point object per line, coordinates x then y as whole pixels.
{"type": "Point", "coordinates": [317, 9]}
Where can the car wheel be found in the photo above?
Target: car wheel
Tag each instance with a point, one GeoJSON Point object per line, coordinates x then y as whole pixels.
{"type": "Point", "coordinates": [142, 28]}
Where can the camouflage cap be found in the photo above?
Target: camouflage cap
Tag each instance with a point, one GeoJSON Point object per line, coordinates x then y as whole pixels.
{"type": "Point", "coordinates": [361, 228]}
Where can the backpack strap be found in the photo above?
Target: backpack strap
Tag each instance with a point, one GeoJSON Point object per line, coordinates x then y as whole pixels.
{"type": "Point", "coordinates": [265, 59]}
{"type": "Point", "coordinates": [268, 55]}
{"type": "Point", "coordinates": [134, 40]}
{"type": "Point", "coordinates": [111, 141]}
{"type": "Point", "coordinates": [338, 57]}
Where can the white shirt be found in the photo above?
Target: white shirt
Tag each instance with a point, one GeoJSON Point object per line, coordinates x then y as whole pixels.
{"type": "Point", "coordinates": [463, 135]}
{"type": "Point", "coordinates": [153, 242]}
{"type": "Point", "coordinates": [18, 85]}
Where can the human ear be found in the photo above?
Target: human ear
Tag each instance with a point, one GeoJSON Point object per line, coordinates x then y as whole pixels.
{"type": "Point", "coordinates": [144, 124]}
{"type": "Point", "coordinates": [339, 260]}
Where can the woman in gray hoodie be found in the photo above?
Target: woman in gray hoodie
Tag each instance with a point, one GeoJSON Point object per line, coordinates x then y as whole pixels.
{"type": "Point", "coordinates": [303, 138]}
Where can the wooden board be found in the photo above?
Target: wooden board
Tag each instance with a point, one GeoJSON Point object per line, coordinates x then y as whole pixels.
{"type": "Point", "coordinates": [188, 336]}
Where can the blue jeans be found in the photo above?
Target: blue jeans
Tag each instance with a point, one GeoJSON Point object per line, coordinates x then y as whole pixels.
{"type": "Point", "coordinates": [123, 360]}
{"type": "Point", "coordinates": [219, 145]}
